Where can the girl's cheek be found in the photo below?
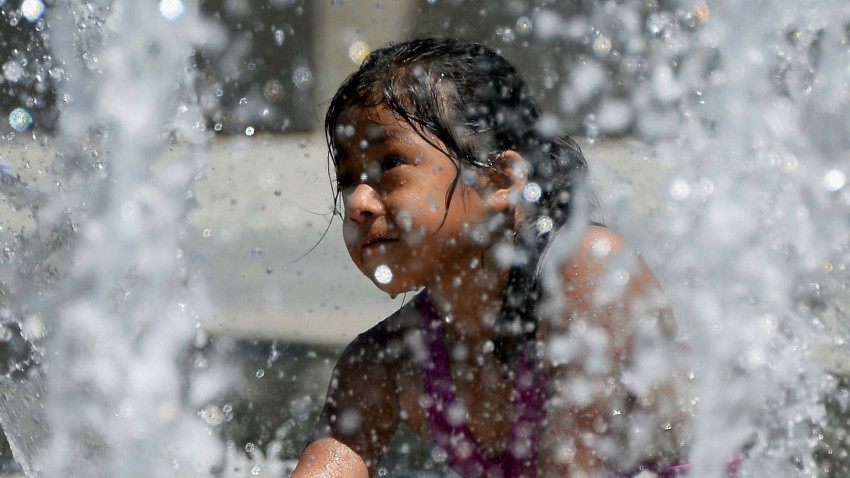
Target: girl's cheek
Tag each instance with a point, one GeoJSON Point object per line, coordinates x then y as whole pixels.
{"type": "Point", "coordinates": [350, 235]}
{"type": "Point", "coordinates": [404, 219]}
{"type": "Point", "coordinates": [433, 203]}
{"type": "Point", "coordinates": [416, 235]}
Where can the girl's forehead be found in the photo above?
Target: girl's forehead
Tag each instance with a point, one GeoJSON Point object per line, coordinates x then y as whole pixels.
{"type": "Point", "coordinates": [360, 127]}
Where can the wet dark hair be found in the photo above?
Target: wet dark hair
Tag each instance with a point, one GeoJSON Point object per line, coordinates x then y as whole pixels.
{"type": "Point", "coordinates": [471, 99]}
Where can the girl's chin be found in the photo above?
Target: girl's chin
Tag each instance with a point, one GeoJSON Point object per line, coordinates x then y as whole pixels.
{"type": "Point", "coordinates": [393, 280]}
{"type": "Point", "coordinates": [395, 288]}
{"type": "Point", "coordinates": [392, 284]}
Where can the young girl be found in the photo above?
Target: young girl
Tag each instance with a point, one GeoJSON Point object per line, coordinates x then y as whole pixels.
{"type": "Point", "coordinates": [518, 356]}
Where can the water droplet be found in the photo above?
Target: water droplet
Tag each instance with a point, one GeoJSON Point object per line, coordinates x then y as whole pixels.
{"type": "Point", "coordinates": [523, 26]}
{"type": "Point", "coordinates": [383, 274]}
{"type": "Point", "coordinates": [834, 180]}
{"type": "Point", "coordinates": [601, 46]}
{"type": "Point", "coordinates": [457, 414]}
{"type": "Point", "coordinates": [349, 421]}
{"type": "Point", "coordinates": [302, 77]}
{"type": "Point", "coordinates": [601, 248]}
{"type": "Point", "coordinates": [532, 192]}
{"type": "Point", "coordinates": [256, 470]}
{"type": "Point", "coordinates": [12, 70]}
{"type": "Point", "coordinates": [788, 163]}
{"type": "Point", "coordinates": [207, 232]}
{"type": "Point", "coordinates": [382, 471]}
{"type": "Point", "coordinates": [279, 37]}
{"type": "Point", "coordinates": [621, 277]}
{"type": "Point", "coordinates": [249, 131]}
{"type": "Point", "coordinates": [249, 447]}
{"type": "Point", "coordinates": [32, 9]}
{"type": "Point", "coordinates": [405, 220]}
{"type": "Point", "coordinates": [217, 127]}
{"type": "Point", "coordinates": [273, 90]}
{"type": "Point", "coordinates": [261, 373]}
{"type": "Point", "coordinates": [212, 415]}
{"type": "Point", "coordinates": [243, 101]}
{"type": "Point", "coordinates": [701, 12]}
{"type": "Point", "coordinates": [358, 52]}
{"type": "Point", "coordinates": [171, 9]}
{"type": "Point", "coordinates": [506, 35]}
{"type": "Point", "coordinates": [20, 119]}
{"type": "Point", "coordinates": [544, 224]}
{"type": "Point", "coordinates": [438, 454]}
{"type": "Point", "coordinates": [679, 189]}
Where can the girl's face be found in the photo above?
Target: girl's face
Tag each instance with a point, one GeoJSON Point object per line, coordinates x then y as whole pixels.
{"type": "Point", "coordinates": [394, 188]}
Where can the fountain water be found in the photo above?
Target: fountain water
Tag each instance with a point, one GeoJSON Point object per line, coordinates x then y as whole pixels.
{"type": "Point", "coordinates": [745, 105]}
{"type": "Point", "coordinates": [122, 305]}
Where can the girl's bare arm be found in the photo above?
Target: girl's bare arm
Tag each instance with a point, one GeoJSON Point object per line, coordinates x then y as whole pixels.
{"type": "Point", "coordinates": [359, 418]}
{"type": "Point", "coordinates": [607, 291]}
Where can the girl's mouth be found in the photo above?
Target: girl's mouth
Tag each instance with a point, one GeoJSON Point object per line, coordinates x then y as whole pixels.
{"type": "Point", "coordinates": [376, 244]}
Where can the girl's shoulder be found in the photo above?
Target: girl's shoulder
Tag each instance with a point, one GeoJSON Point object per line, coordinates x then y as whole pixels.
{"type": "Point", "coordinates": [583, 261]}
{"type": "Point", "coordinates": [597, 273]}
{"type": "Point", "coordinates": [390, 340]}
{"type": "Point", "coordinates": [386, 357]}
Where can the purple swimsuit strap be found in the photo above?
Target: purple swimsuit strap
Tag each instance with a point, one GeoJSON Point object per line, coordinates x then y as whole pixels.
{"type": "Point", "coordinates": [446, 418]}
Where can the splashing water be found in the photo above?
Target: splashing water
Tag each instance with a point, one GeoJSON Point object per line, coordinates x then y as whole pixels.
{"type": "Point", "coordinates": [746, 105]}
{"type": "Point", "coordinates": [113, 402]}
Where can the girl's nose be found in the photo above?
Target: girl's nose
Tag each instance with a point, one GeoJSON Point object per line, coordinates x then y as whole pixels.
{"type": "Point", "coordinates": [364, 203]}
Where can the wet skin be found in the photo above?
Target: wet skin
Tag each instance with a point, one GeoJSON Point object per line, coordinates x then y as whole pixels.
{"type": "Point", "coordinates": [394, 186]}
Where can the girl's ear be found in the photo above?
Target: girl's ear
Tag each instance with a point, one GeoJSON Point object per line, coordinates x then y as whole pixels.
{"type": "Point", "coordinates": [505, 181]}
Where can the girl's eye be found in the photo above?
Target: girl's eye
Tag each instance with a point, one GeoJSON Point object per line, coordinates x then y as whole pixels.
{"type": "Point", "coordinates": [391, 161]}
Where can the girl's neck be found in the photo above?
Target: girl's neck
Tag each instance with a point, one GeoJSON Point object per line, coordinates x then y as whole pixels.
{"type": "Point", "coordinates": [468, 297]}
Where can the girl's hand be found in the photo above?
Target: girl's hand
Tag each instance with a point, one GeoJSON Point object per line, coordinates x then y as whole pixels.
{"type": "Point", "coordinates": [360, 415]}
{"type": "Point", "coordinates": [328, 457]}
